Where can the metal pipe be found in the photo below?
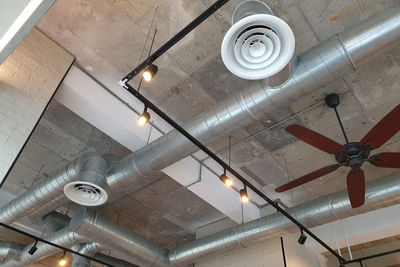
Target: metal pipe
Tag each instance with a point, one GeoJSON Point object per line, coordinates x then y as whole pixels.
{"type": "Point", "coordinates": [48, 195]}
{"type": "Point", "coordinates": [322, 64]}
{"type": "Point", "coordinates": [88, 249]}
{"type": "Point", "coordinates": [230, 169]}
{"type": "Point", "coordinates": [379, 33]}
{"type": "Point", "coordinates": [64, 238]}
{"type": "Point", "coordinates": [113, 261]}
{"type": "Point", "coordinates": [379, 193]}
{"type": "Point", "coordinates": [93, 250]}
{"type": "Point", "coordinates": [9, 250]}
{"type": "Point", "coordinates": [88, 224]}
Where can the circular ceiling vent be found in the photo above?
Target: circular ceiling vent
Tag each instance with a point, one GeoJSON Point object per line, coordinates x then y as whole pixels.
{"type": "Point", "coordinates": [258, 46]}
{"type": "Point", "coordinates": [85, 193]}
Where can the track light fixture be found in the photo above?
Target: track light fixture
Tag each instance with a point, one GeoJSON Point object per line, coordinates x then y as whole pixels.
{"type": "Point", "coordinates": [243, 195]}
{"type": "Point", "coordinates": [225, 179]}
{"type": "Point", "coordinates": [63, 260]}
{"type": "Point", "coordinates": [33, 249]}
{"type": "Point", "coordinates": [302, 238]}
{"type": "Point", "coordinates": [143, 118]}
{"type": "Point", "coordinates": [150, 72]}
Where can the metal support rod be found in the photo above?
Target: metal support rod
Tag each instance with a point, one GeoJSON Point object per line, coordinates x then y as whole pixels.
{"type": "Point", "coordinates": [175, 125]}
{"type": "Point", "coordinates": [53, 244]}
{"type": "Point", "coordinates": [283, 252]}
{"type": "Point", "coordinates": [202, 17]}
{"type": "Point", "coordinates": [341, 125]}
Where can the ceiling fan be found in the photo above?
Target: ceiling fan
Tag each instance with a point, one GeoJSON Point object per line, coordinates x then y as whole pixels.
{"type": "Point", "coordinates": [351, 154]}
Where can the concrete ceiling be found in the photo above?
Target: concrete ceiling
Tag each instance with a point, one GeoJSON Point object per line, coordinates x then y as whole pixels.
{"type": "Point", "coordinates": [107, 36]}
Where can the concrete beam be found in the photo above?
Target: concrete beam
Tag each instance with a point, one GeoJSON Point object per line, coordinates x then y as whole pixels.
{"type": "Point", "coordinates": [105, 111]}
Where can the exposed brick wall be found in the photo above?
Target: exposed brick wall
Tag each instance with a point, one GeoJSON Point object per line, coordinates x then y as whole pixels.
{"type": "Point", "coordinates": [28, 78]}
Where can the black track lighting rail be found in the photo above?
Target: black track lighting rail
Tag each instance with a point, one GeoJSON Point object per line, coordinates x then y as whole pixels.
{"type": "Point", "coordinates": [39, 239]}
{"type": "Point", "coordinates": [185, 31]}
{"type": "Point", "coordinates": [150, 59]}
{"type": "Point", "coordinates": [373, 256]}
{"type": "Point", "coordinates": [246, 183]}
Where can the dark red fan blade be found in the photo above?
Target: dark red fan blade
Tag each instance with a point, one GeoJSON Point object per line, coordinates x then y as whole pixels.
{"type": "Point", "coordinates": [386, 160]}
{"type": "Point", "coordinates": [307, 178]}
{"type": "Point", "coordinates": [384, 130]}
{"type": "Point", "coordinates": [315, 139]}
{"type": "Point", "coordinates": [356, 187]}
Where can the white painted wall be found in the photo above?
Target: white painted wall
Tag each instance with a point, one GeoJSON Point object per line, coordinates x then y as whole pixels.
{"type": "Point", "coordinates": [28, 78]}
{"type": "Point", "coordinates": [392, 260]}
{"type": "Point", "coordinates": [265, 254]}
{"type": "Point", "coordinates": [362, 228]}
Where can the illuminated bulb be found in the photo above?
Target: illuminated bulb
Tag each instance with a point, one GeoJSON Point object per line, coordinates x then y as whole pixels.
{"type": "Point", "coordinates": [150, 72]}
{"type": "Point", "coordinates": [62, 261]}
{"type": "Point", "coordinates": [243, 196]}
{"type": "Point", "coordinates": [143, 118]}
{"type": "Point", "coordinates": [147, 76]}
{"type": "Point", "coordinates": [226, 180]}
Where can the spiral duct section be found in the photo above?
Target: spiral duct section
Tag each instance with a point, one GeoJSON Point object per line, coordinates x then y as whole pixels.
{"type": "Point", "coordinates": [48, 195]}
{"type": "Point", "coordinates": [328, 208]}
{"type": "Point", "coordinates": [64, 237]}
{"type": "Point", "coordinates": [88, 224]}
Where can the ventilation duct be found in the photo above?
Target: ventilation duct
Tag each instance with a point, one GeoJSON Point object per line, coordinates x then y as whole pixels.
{"type": "Point", "coordinates": [64, 238]}
{"type": "Point", "coordinates": [88, 189]}
{"type": "Point", "coordinates": [324, 63]}
{"type": "Point", "coordinates": [48, 195]}
{"type": "Point", "coordinates": [88, 224]}
{"type": "Point", "coordinates": [52, 222]}
{"type": "Point", "coordinates": [258, 45]}
{"type": "Point", "coordinates": [330, 60]}
{"type": "Point", "coordinates": [92, 250]}
{"type": "Point", "coordinates": [328, 208]}
{"type": "Point", "coordinates": [9, 251]}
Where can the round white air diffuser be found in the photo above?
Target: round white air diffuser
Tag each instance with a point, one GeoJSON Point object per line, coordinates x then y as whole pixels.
{"type": "Point", "coordinates": [85, 193]}
{"type": "Point", "coordinates": [258, 46]}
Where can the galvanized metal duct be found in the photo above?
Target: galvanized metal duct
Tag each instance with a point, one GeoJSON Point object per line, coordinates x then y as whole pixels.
{"type": "Point", "coordinates": [88, 224]}
{"type": "Point", "coordinates": [92, 250]}
{"type": "Point", "coordinates": [48, 195]}
{"type": "Point", "coordinates": [88, 249]}
{"type": "Point", "coordinates": [383, 192]}
{"type": "Point", "coordinates": [9, 250]}
{"type": "Point", "coordinates": [64, 237]}
{"type": "Point", "coordinates": [113, 261]}
{"type": "Point", "coordinates": [328, 61]}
